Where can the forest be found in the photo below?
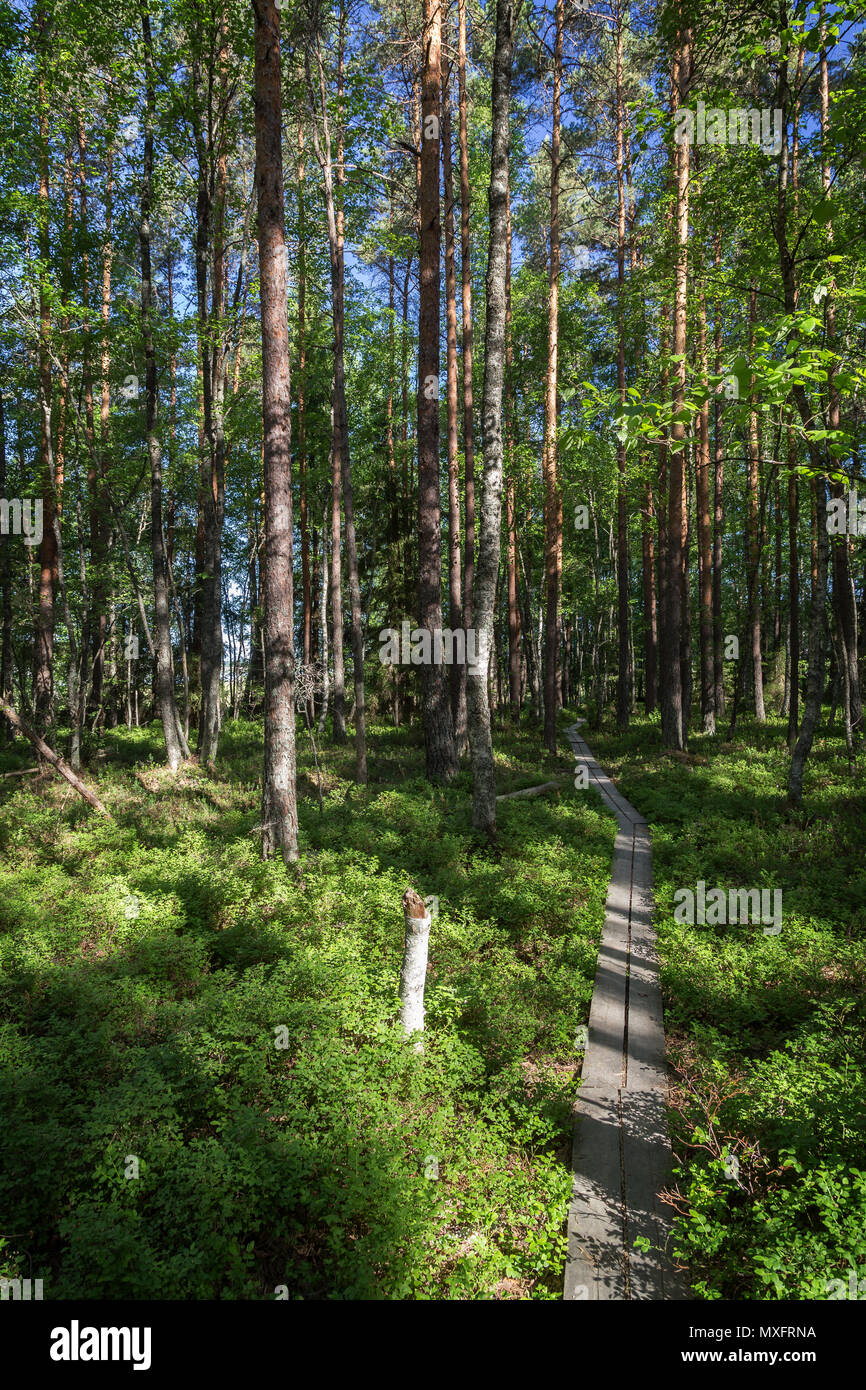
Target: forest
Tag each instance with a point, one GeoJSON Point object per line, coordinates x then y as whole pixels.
{"type": "Point", "coordinates": [395, 394]}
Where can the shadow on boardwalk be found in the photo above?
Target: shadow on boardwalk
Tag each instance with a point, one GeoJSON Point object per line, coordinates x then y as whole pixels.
{"type": "Point", "coordinates": [617, 1227]}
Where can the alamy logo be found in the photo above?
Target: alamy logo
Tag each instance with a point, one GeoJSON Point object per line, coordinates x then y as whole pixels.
{"type": "Point", "coordinates": [852, 524]}
{"type": "Point", "coordinates": [421, 647]}
{"type": "Point", "coordinates": [856, 1288]}
{"type": "Point", "coordinates": [22, 1290]}
{"type": "Point", "coordinates": [19, 511]}
{"type": "Point", "coordinates": [736, 127]}
{"type": "Point", "coordinates": [75, 1343]}
{"type": "Point", "coordinates": [716, 908]}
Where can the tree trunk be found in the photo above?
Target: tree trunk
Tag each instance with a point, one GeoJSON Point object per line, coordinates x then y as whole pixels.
{"type": "Point", "coordinates": [279, 805]}
{"type": "Point", "coordinates": [43, 669]}
{"type": "Point", "coordinates": [51, 757]}
{"type": "Point", "coordinates": [673, 726]}
{"type": "Point", "coordinates": [624, 690]}
{"type": "Point", "coordinates": [162, 613]}
{"type": "Point", "coordinates": [5, 585]}
{"type": "Point", "coordinates": [306, 592]}
{"type": "Point", "coordinates": [466, 321]}
{"type": "Point", "coordinates": [413, 975]}
{"type": "Point", "coordinates": [440, 748]}
{"type": "Point", "coordinates": [649, 605]}
{"type": "Point", "coordinates": [483, 772]}
{"type": "Point", "coordinates": [793, 596]}
{"type": "Point", "coordinates": [718, 513]}
{"type": "Point", "coordinates": [340, 434]}
{"type": "Point", "coordinates": [323, 625]}
{"type": "Point", "coordinates": [705, 540]}
{"type": "Point", "coordinates": [844, 599]}
{"type": "Point", "coordinates": [514, 625]}
{"type": "Point", "coordinates": [754, 547]}
{"type": "Point", "coordinates": [455, 595]}
{"type": "Point", "coordinates": [552, 573]}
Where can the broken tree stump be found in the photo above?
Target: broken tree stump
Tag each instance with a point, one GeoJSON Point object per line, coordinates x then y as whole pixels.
{"type": "Point", "coordinates": [413, 975]}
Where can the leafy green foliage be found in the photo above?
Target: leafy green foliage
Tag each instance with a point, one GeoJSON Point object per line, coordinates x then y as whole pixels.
{"type": "Point", "coordinates": [766, 1033]}
{"type": "Point", "coordinates": [150, 1031]}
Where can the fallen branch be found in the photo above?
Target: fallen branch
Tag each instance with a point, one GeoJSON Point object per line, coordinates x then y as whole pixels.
{"type": "Point", "coordinates": [534, 791]}
{"type": "Point", "coordinates": [19, 772]}
{"type": "Point", "coordinates": [59, 764]}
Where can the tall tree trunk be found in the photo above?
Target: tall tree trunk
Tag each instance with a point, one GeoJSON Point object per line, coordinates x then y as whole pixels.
{"type": "Point", "coordinates": [705, 539]}
{"type": "Point", "coordinates": [754, 547]}
{"type": "Point", "coordinates": [43, 669]}
{"type": "Point", "coordinates": [323, 625]}
{"type": "Point", "coordinates": [624, 692]}
{"type": "Point", "coordinates": [673, 725]}
{"type": "Point", "coordinates": [650, 610]}
{"type": "Point", "coordinates": [844, 599]}
{"type": "Point", "coordinates": [793, 595]}
{"type": "Point", "coordinates": [6, 691]}
{"type": "Point", "coordinates": [162, 612]}
{"type": "Point", "coordinates": [95, 622]}
{"type": "Point", "coordinates": [279, 804]}
{"type": "Point", "coordinates": [662, 511]}
{"type": "Point", "coordinates": [466, 323]}
{"type": "Point", "coordinates": [514, 624]}
{"type": "Point", "coordinates": [686, 630]}
{"type": "Point", "coordinates": [210, 217]}
{"type": "Point", "coordinates": [340, 434]}
{"type": "Point", "coordinates": [455, 594]}
{"type": "Point", "coordinates": [718, 510]}
{"type": "Point", "coordinates": [483, 772]}
{"type": "Point", "coordinates": [306, 593]}
{"type": "Point", "coordinates": [552, 572]}
{"type": "Point", "coordinates": [104, 637]}
{"type": "Point", "coordinates": [440, 748]}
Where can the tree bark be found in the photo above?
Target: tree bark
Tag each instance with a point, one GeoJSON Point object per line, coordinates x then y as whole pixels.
{"type": "Point", "coordinates": [673, 727]}
{"type": "Point", "coordinates": [279, 805]}
{"type": "Point", "coordinates": [514, 624]}
{"type": "Point", "coordinates": [754, 547]}
{"type": "Point", "coordinates": [466, 322]}
{"type": "Point", "coordinates": [455, 594]}
{"type": "Point", "coordinates": [162, 613]}
{"type": "Point", "coordinates": [552, 571]}
{"type": "Point", "coordinates": [340, 422]}
{"type": "Point", "coordinates": [483, 771]}
{"type": "Point", "coordinates": [649, 605]}
{"type": "Point", "coordinates": [624, 691]}
{"type": "Point", "coordinates": [440, 748]}
{"type": "Point", "coordinates": [5, 584]}
{"type": "Point", "coordinates": [413, 975]}
{"type": "Point", "coordinates": [306, 591]}
{"type": "Point", "coordinates": [705, 540]}
{"type": "Point", "coordinates": [718, 511]}
{"type": "Point", "coordinates": [43, 669]}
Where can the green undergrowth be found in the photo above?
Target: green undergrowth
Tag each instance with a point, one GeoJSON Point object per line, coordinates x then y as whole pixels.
{"type": "Point", "coordinates": [205, 1092]}
{"type": "Point", "coordinates": [765, 1032]}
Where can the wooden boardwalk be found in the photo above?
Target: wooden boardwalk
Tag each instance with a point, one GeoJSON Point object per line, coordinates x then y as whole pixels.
{"type": "Point", "coordinates": [621, 1154]}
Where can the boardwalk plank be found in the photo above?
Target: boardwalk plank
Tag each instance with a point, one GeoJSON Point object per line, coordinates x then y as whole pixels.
{"type": "Point", "coordinates": [621, 1150]}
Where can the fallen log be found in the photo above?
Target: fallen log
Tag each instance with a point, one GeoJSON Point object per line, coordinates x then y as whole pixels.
{"type": "Point", "coordinates": [534, 791]}
{"type": "Point", "coordinates": [59, 764]}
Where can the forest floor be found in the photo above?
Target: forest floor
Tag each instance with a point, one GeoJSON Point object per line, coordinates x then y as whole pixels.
{"type": "Point", "coordinates": [765, 1032]}
{"type": "Point", "coordinates": [207, 1091]}
{"type": "Point", "coordinates": [168, 998]}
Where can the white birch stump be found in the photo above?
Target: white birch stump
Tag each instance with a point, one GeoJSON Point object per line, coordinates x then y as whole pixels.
{"type": "Point", "coordinates": [413, 975]}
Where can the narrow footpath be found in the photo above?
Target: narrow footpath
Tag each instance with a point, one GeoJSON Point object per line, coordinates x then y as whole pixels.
{"type": "Point", "coordinates": [621, 1154]}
